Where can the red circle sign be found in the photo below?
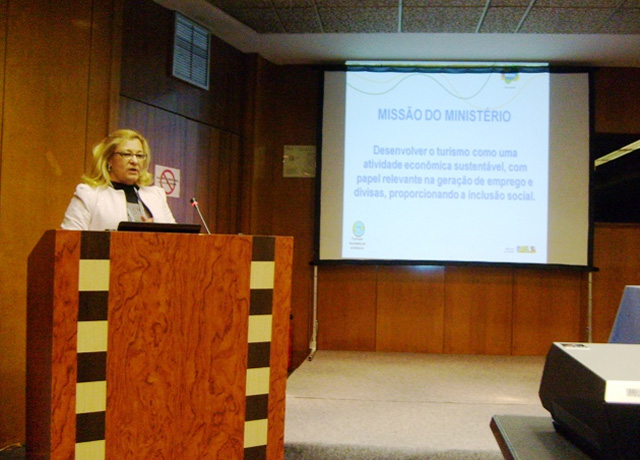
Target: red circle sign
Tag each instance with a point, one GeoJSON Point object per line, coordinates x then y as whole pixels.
{"type": "Point", "coordinates": [167, 177]}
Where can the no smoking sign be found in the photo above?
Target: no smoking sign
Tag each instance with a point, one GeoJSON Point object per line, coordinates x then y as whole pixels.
{"type": "Point", "coordinates": [168, 179]}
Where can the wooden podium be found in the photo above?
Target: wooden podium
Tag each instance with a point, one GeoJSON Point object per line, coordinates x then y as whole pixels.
{"type": "Point", "coordinates": [157, 346]}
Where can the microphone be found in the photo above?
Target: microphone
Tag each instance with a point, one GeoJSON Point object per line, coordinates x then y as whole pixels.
{"type": "Point", "coordinates": [194, 203]}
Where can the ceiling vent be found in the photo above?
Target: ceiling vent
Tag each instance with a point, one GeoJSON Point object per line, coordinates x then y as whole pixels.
{"type": "Point", "coordinates": [191, 52]}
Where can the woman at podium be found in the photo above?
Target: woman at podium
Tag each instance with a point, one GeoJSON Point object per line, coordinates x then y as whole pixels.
{"type": "Point", "coordinates": [118, 187]}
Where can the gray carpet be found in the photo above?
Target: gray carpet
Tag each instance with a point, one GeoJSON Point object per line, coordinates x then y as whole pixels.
{"type": "Point", "coordinates": [334, 452]}
{"type": "Point", "coordinates": [405, 406]}
{"type": "Point", "coordinates": [402, 406]}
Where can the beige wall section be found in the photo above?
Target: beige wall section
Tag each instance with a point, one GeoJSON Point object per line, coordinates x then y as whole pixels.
{"type": "Point", "coordinates": [57, 81]}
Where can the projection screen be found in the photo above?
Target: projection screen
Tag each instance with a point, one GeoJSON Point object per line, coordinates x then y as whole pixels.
{"type": "Point", "coordinates": [455, 163]}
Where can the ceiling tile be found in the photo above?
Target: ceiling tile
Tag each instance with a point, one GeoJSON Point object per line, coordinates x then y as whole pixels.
{"type": "Point", "coordinates": [262, 20]}
{"type": "Point", "coordinates": [576, 3]}
{"type": "Point", "coordinates": [510, 3]}
{"type": "Point", "coordinates": [239, 4]}
{"type": "Point", "coordinates": [357, 3]}
{"type": "Point", "coordinates": [359, 20]}
{"type": "Point", "coordinates": [565, 20]}
{"type": "Point", "coordinates": [624, 21]}
{"type": "Point", "coordinates": [437, 20]}
{"type": "Point", "coordinates": [502, 20]}
{"type": "Point", "coordinates": [436, 16]}
{"type": "Point", "coordinates": [300, 20]}
{"type": "Point", "coordinates": [446, 3]}
{"type": "Point", "coordinates": [292, 3]}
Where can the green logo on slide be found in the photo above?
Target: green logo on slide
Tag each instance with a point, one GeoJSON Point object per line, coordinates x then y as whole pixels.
{"type": "Point", "coordinates": [358, 228]}
{"type": "Point", "coordinates": [509, 77]}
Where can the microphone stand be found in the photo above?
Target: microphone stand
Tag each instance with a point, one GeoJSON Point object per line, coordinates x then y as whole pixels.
{"type": "Point", "coordinates": [194, 203]}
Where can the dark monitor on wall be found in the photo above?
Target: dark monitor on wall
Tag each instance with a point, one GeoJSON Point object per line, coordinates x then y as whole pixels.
{"type": "Point", "coordinates": [593, 394]}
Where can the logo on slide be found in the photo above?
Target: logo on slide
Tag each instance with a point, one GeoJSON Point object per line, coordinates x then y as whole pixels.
{"type": "Point", "coordinates": [358, 229]}
{"type": "Point", "coordinates": [509, 77]}
{"type": "Point", "coordinates": [526, 249]}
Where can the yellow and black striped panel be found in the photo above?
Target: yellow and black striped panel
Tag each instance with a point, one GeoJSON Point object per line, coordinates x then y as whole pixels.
{"type": "Point", "coordinates": [258, 365]}
{"type": "Point", "coordinates": [91, 383]}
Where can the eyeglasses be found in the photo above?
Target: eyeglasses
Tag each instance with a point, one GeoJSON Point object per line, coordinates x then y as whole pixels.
{"type": "Point", "coordinates": [128, 155]}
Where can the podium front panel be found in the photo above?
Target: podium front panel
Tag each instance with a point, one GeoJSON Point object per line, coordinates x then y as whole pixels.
{"type": "Point", "coordinates": [172, 346]}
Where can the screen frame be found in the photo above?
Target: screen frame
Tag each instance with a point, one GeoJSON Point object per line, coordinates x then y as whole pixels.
{"type": "Point", "coordinates": [551, 68]}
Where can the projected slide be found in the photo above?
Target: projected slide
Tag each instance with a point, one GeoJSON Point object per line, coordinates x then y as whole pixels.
{"type": "Point", "coordinates": [446, 166]}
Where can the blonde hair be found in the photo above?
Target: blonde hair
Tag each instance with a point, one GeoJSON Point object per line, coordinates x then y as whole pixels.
{"type": "Point", "coordinates": [105, 149]}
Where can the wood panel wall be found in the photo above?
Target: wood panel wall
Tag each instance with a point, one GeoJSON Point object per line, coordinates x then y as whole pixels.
{"type": "Point", "coordinates": [617, 100]}
{"type": "Point", "coordinates": [616, 255]}
{"type": "Point", "coordinates": [60, 74]}
{"type": "Point", "coordinates": [229, 141]}
{"type": "Point", "coordinates": [208, 159]}
{"type": "Point", "coordinates": [462, 310]}
{"type": "Point", "coordinates": [410, 309]}
{"type": "Point", "coordinates": [286, 205]}
{"type": "Point", "coordinates": [490, 311]}
{"type": "Point", "coordinates": [477, 310]}
{"type": "Point", "coordinates": [57, 69]}
{"type": "Point", "coordinates": [147, 41]}
{"type": "Point", "coordinates": [466, 310]}
{"type": "Point", "coordinates": [200, 132]}
{"type": "Point", "coordinates": [548, 306]}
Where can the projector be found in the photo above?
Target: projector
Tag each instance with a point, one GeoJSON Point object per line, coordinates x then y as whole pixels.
{"type": "Point", "coordinates": [593, 394]}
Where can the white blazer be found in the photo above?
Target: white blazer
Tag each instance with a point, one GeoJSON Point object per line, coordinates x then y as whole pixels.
{"type": "Point", "coordinates": [102, 208]}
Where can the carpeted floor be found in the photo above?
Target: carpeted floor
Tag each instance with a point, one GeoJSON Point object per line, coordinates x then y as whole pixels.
{"type": "Point", "coordinates": [405, 406]}
{"type": "Point", "coordinates": [402, 406]}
